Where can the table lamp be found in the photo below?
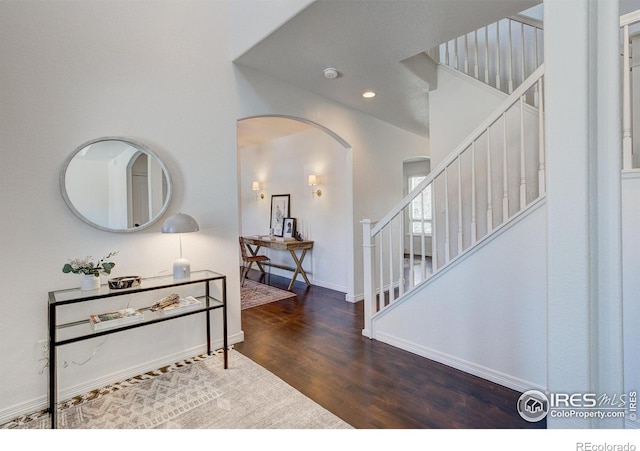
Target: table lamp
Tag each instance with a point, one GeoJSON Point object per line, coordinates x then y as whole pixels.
{"type": "Point", "coordinates": [180, 223]}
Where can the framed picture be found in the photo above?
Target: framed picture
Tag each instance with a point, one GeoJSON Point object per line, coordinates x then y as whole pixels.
{"type": "Point", "coordinates": [279, 211]}
{"type": "Point", "coordinates": [289, 228]}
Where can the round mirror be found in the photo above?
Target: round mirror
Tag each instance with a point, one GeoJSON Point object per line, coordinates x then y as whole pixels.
{"type": "Point", "coordinates": [115, 184]}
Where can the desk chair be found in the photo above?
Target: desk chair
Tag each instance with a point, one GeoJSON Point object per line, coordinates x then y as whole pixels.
{"type": "Point", "coordinates": [249, 260]}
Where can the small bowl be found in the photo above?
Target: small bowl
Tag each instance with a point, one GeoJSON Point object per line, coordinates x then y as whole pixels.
{"type": "Point", "coordinates": [119, 283]}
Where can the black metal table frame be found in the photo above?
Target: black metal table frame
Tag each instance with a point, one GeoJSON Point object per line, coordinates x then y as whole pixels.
{"type": "Point", "coordinates": [98, 294]}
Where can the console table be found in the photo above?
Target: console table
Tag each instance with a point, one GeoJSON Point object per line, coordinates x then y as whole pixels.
{"type": "Point", "coordinates": [72, 332]}
{"type": "Point", "coordinates": [284, 245]}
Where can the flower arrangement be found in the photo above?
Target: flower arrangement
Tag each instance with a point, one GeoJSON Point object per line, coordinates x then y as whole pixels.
{"type": "Point", "coordinates": [87, 266]}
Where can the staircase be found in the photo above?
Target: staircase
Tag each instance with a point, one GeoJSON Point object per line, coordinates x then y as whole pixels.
{"type": "Point", "coordinates": [481, 200]}
{"type": "Point", "coordinates": [486, 181]}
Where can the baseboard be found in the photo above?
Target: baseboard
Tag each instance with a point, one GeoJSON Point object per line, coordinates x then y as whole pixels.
{"type": "Point", "coordinates": [480, 371]}
{"type": "Point", "coordinates": [354, 298]}
{"type": "Point", "coordinates": [35, 405]}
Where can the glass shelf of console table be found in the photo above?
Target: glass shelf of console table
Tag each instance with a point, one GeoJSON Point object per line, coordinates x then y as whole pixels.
{"type": "Point", "coordinates": [80, 328]}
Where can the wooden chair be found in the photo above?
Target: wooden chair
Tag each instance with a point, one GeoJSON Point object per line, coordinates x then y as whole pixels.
{"type": "Point", "coordinates": [249, 260]}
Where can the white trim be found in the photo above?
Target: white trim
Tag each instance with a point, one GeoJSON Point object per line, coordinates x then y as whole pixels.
{"type": "Point", "coordinates": [630, 174]}
{"type": "Point", "coordinates": [483, 372]}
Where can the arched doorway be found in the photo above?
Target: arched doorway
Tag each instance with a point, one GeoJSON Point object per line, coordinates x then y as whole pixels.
{"type": "Point", "coordinates": [276, 155]}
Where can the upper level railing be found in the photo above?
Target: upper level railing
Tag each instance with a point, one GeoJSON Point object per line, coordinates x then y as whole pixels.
{"type": "Point", "coordinates": [495, 173]}
{"type": "Point", "coordinates": [502, 54]}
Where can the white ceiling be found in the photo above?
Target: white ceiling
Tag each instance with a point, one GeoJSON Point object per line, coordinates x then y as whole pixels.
{"type": "Point", "coordinates": [366, 40]}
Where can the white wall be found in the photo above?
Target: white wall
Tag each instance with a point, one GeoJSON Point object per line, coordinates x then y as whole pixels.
{"type": "Point", "coordinates": [494, 324]}
{"type": "Point", "coordinates": [456, 108]}
{"type": "Point", "coordinates": [282, 166]}
{"type": "Point", "coordinates": [256, 19]}
{"type": "Point", "coordinates": [159, 73]}
{"type": "Point", "coordinates": [374, 160]}
{"type": "Point", "coordinates": [156, 72]}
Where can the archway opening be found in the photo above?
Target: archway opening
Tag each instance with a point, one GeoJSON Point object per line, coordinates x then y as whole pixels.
{"type": "Point", "coordinates": [276, 157]}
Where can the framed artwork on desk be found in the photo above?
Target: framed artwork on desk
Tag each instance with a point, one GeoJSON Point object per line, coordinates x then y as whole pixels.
{"type": "Point", "coordinates": [279, 211]}
{"type": "Point", "coordinates": [289, 228]}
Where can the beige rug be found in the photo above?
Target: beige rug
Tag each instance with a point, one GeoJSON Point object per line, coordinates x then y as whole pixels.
{"type": "Point", "coordinates": [196, 394]}
{"type": "Point", "coordinates": [253, 294]}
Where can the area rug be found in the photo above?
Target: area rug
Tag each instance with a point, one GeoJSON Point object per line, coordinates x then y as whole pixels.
{"type": "Point", "coordinates": [198, 394]}
{"type": "Point", "coordinates": [253, 294]}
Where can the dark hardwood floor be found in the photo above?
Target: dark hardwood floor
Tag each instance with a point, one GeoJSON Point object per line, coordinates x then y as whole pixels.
{"type": "Point", "coordinates": [314, 343]}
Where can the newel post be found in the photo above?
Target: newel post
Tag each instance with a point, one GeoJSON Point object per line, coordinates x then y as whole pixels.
{"type": "Point", "coordinates": [368, 245]}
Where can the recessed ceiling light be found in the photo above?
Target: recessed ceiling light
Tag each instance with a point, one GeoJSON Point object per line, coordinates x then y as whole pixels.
{"type": "Point", "coordinates": [368, 94]}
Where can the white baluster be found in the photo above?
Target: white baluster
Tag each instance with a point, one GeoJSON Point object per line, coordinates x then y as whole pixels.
{"type": "Point", "coordinates": [455, 53]}
{"type": "Point", "coordinates": [434, 240]}
{"type": "Point", "coordinates": [523, 174]}
{"type": "Point", "coordinates": [381, 294]}
{"type": "Point", "coordinates": [541, 169]}
{"type": "Point", "coordinates": [368, 245]}
{"type": "Point", "coordinates": [505, 171]}
{"type": "Point", "coordinates": [466, 55]}
{"type": "Point", "coordinates": [486, 55]}
{"type": "Point", "coordinates": [475, 53]}
{"type": "Point", "coordinates": [391, 291]}
{"type": "Point", "coordinates": [401, 279]}
{"type": "Point", "coordinates": [423, 241]}
{"type": "Point", "coordinates": [459, 206]}
{"type": "Point", "coordinates": [489, 193]}
{"type": "Point", "coordinates": [498, 68]}
{"type": "Point", "coordinates": [447, 246]}
{"type": "Point", "coordinates": [535, 56]}
{"type": "Point", "coordinates": [446, 54]}
{"type": "Point", "coordinates": [627, 137]}
{"type": "Point", "coordinates": [510, 59]}
{"type": "Point", "coordinates": [412, 281]}
{"type": "Point", "coordinates": [474, 232]}
{"type": "Point", "coordinates": [522, 51]}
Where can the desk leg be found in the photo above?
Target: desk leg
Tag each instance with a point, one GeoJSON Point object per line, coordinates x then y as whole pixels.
{"type": "Point", "coordinates": [299, 269]}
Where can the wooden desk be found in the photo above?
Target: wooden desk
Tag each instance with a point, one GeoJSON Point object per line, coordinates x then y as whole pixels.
{"type": "Point", "coordinates": [288, 245]}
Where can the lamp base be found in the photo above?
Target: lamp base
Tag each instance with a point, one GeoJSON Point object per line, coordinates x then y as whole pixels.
{"type": "Point", "coordinates": [181, 269]}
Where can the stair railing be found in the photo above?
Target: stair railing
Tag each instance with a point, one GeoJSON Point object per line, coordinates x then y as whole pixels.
{"type": "Point", "coordinates": [502, 54]}
{"type": "Point", "coordinates": [390, 267]}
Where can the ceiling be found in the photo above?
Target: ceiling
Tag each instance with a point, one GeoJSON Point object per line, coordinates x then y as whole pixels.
{"type": "Point", "coordinates": [366, 41]}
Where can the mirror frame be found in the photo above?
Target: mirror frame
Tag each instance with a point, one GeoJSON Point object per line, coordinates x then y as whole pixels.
{"type": "Point", "coordinates": [140, 147]}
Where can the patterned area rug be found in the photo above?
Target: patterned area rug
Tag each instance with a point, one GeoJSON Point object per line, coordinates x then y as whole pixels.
{"type": "Point", "coordinates": [196, 394]}
{"type": "Point", "coordinates": [253, 294]}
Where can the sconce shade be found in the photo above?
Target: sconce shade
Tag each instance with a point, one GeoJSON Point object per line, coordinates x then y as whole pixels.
{"type": "Point", "coordinates": [255, 186]}
{"type": "Point", "coordinates": [180, 223]}
{"type": "Point", "coordinates": [313, 180]}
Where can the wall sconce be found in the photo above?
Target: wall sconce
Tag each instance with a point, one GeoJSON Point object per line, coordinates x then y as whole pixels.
{"type": "Point", "coordinates": [313, 181]}
{"type": "Point", "coordinates": [255, 186]}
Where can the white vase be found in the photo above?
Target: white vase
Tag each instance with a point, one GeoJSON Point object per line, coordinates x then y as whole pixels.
{"type": "Point", "coordinates": [90, 282]}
